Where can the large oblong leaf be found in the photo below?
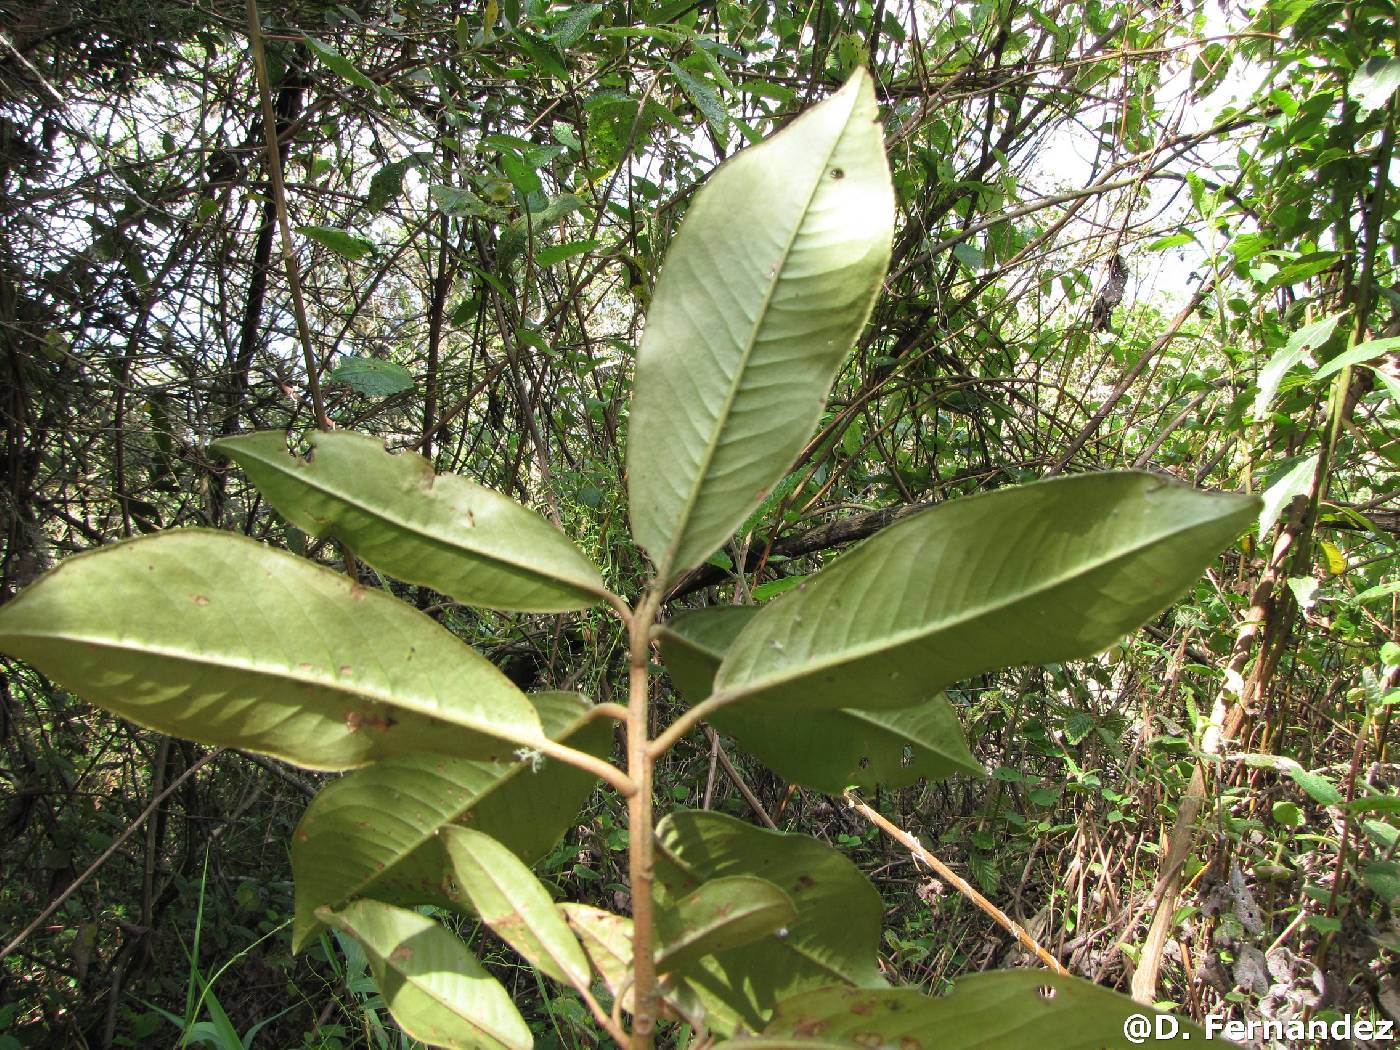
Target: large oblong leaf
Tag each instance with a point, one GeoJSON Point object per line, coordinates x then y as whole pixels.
{"type": "Point", "coordinates": [825, 750]}
{"type": "Point", "coordinates": [1007, 1010]}
{"type": "Point", "coordinates": [769, 281]}
{"type": "Point", "coordinates": [444, 532]}
{"type": "Point", "coordinates": [432, 984]}
{"type": "Point", "coordinates": [220, 639]}
{"type": "Point", "coordinates": [509, 899]}
{"type": "Point", "coordinates": [375, 832]}
{"type": "Point", "coordinates": [833, 940]}
{"type": "Point", "coordinates": [1055, 570]}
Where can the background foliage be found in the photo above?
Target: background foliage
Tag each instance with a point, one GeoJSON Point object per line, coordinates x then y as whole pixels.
{"type": "Point", "coordinates": [482, 196]}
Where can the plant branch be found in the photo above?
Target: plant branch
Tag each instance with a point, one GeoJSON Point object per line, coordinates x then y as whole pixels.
{"type": "Point", "coordinates": [923, 856]}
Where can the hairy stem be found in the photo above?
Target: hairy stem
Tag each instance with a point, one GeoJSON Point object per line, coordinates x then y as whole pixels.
{"type": "Point", "coordinates": [641, 853]}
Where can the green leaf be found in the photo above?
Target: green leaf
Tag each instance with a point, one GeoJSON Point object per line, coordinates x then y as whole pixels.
{"type": "Point", "coordinates": [825, 750]}
{"type": "Point", "coordinates": [1319, 788]}
{"type": "Point", "coordinates": [1309, 337]}
{"type": "Point", "coordinates": [573, 23]}
{"type": "Point", "coordinates": [375, 832]}
{"type": "Point", "coordinates": [771, 278]}
{"type": "Point", "coordinates": [705, 98]}
{"type": "Point", "coordinates": [344, 244]}
{"type": "Point", "coordinates": [338, 63]}
{"type": "Point", "coordinates": [1039, 573]}
{"type": "Point", "coordinates": [607, 939]}
{"type": "Point", "coordinates": [557, 253]}
{"type": "Point", "coordinates": [833, 939]}
{"type": "Point", "coordinates": [223, 640]}
{"type": "Point", "coordinates": [509, 899]}
{"type": "Point", "coordinates": [1283, 492]}
{"type": "Point", "coordinates": [372, 377]}
{"type": "Point", "coordinates": [1006, 1010]}
{"type": "Point", "coordinates": [1375, 82]}
{"type": "Point", "coordinates": [445, 532]}
{"type": "Point", "coordinates": [1288, 814]}
{"type": "Point", "coordinates": [718, 915]}
{"type": "Point", "coordinates": [1383, 876]}
{"type": "Point", "coordinates": [456, 201]}
{"type": "Point", "coordinates": [387, 183]}
{"type": "Point", "coordinates": [432, 984]}
{"type": "Point", "coordinates": [1357, 355]}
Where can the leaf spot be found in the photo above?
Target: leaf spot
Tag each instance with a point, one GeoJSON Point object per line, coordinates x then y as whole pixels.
{"type": "Point", "coordinates": [838, 173]}
{"type": "Point", "coordinates": [357, 592]}
{"type": "Point", "coordinates": [401, 954]}
{"type": "Point", "coordinates": [199, 599]}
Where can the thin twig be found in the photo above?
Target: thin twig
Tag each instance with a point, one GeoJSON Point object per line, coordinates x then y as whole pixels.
{"type": "Point", "coordinates": [92, 869]}
{"type": "Point", "coordinates": [946, 873]}
{"type": "Point", "coordinates": [279, 200]}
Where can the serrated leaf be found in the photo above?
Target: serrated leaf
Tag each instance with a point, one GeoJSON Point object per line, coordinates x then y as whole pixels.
{"type": "Point", "coordinates": [431, 983]}
{"type": "Point", "coordinates": [1078, 725]}
{"type": "Point", "coordinates": [440, 531]}
{"type": "Point", "coordinates": [825, 750]}
{"type": "Point", "coordinates": [510, 900]}
{"type": "Point", "coordinates": [1040, 573]}
{"type": "Point", "coordinates": [372, 377]}
{"type": "Point", "coordinates": [387, 183]}
{"type": "Point", "coordinates": [1006, 1010]}
{"type": "Point", "coordinates": [705, 98]}
{"type": "Point", "coordinates": [834, 938]}
{"type": "Point", "coordinates": [718, 915]}
{"type": "Point", "coordinates": [771, 278]}
{"type": "Point", "coordinates": [573, 23]}
{"type": "Point", "coordinates": [1383, 876]}
{"type": "Point", "coordinates": [346, 245]}
{"type": "Point", "coordinates": [1320, 789]}
{"type": "Point", "coordinates": [456, 201]}
{"type": "Point", "coordinates": [225, 641]}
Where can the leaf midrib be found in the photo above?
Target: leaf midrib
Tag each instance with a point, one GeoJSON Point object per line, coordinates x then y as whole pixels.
{"type": "Point", "coordinates": [445, 546]}
{"type": "Point", "coordinates": [212, 665]}
{"type": "Point", "coordinates": [712, 446]}
{"type": "Point", "coordinates": [899, 638]}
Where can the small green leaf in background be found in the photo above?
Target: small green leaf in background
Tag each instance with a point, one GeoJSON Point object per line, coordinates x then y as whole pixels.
{"type": "Point", "coordinates": [372, 377]}
{"type": "Point", "coordinates": [1283, 492]}
{"type": "Point", "coordinates": [557, 253]}
{"type": "Point", "coordinates": [432, 984]}
{"type": "Point", "coordinates": [338, 63]}
{"type": "Point", "coordinates": [387, 183]}
{"type": "Point", "coordinates": [343, 244]}
{"type": "Point", "coordinates": [1288, 814]}
{"type": "Point", "coordinates": [1307, 338]}
{"type": "Point", "coordinates": [1374, 83]}
{"type": "Point", "coordinates": [1383, 876]}
{"type": "Point", "coordinates": [1357, 355]}
{"type": "Point", "coordinates": [1320, 789]}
